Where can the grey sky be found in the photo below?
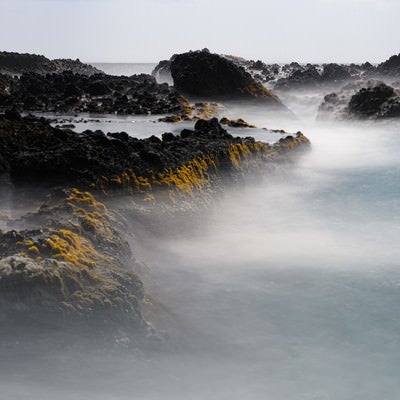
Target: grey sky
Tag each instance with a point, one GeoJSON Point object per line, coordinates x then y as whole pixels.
{"type": "Point", "coordinates": [151, 30]}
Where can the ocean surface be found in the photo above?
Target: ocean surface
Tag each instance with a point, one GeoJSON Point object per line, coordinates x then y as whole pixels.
{"type": "Point", "coordinates": [126, 69]}
{"type": "Point", "coordinates": [288, 289]}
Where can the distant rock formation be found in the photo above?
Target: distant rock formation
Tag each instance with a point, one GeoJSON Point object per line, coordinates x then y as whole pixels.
{"type": "Point", "coordinates": [390, 67]}
{"type": "Point", "coordinates": [380, 101]}
{"type": "Point", "coordinates": [300, 78]}
{"type": "Point", "coordinates": [335, 73]}
{"type": "Point", "coordinates": [361, 100]}
{"type": "Point", "coordinates": [17, 63]}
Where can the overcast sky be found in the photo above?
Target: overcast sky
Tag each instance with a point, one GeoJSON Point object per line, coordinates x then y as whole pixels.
{"type": "Point", "coordinates": [151, 30]}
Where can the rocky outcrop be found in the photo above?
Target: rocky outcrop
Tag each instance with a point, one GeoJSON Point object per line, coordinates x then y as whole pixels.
{"type": "Point", "coordinates": [236, 123]}
{"type": "Point", "coordinates": [98, 93]}
{"type": "Point", "coordinates": [335, 73]}
{"type": "Point", "coordinates": [211, 76]}
{"type": "Point", "coordinates": [315, 77]}
{"type": "Point", "coordinates": [17, 63]}
{"type": "Point", "coordinates": [31, 149]}
{"type": "Point", "coordinates": [361, 100]}
{"type": "Point", "coordinates": [390, 67]}
{"type": "Point", "coordinates": [300, 78]}
{"type": "Point", "coordinates": [70, 266]}
{"type": "Point", "coordinates": [380, 101]}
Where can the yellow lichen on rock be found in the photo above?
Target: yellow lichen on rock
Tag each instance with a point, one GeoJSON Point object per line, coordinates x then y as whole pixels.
{"type": "Point", "coordinates": [72, 248]}
{"type": "Point", "coordinates": [187, 178]}
{"type": "Point", "coordinates": [93, 214]}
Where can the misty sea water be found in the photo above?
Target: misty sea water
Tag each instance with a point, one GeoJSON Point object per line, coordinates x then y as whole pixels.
{"type": "Point", "coordinates": [288, 290]}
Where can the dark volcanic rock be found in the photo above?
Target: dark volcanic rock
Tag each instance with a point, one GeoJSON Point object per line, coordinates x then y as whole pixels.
{"type": "Point", "coordinates": [31, 149]}
{"type": "Point", "coordinates": [16, 63]}
{"type": "Point", "coordinates": [236, 123]}
{"type": "Point", "coordinates": [99, 93]}
{"type": "Point", "coordinates": [335, 73]}
{"type": "Point", "coordinates": [299, 79]}
{"type": "Point", "coordinates": [361, 100]}
{"type": "Point", "coordinates": [390, 67]}
{"type": "Point", "coordinates": [379, 101]}
{"type": "Point", "coordinates": [71, 267]}
{"type": "Point", "coordinates": [204, 74]}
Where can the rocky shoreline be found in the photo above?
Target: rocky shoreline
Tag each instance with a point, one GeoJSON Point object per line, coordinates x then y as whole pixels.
{"type": "Point", "coordinates": [69, 260]}
{"type": "Point", "coordinates": [65, 86]}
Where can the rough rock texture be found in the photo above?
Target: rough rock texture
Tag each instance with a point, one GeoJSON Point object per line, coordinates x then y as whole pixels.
{"type": "Point", "coordinates": [390, 67]}
{"type": "Point", "coordinates": [30, 147]}
{"type": "Point", "coordinates": [98, 93]}
{"type": "Point", "coordinates": [335, 73]}
{"type": "Point", "coordinates": [300, 78]}
{"type": "Point", "coordinates": [361, 100]}
{"type": "Point", "coordinates": [380, 101]}
{"type": "Point", "coordinates": [16, 63]}
{"type": "Point", "coordinates": [236, 123]}
{"type": "Point", "coordinates": [203, 74]}
{"type": "Point", "coordinates": [70, 266]}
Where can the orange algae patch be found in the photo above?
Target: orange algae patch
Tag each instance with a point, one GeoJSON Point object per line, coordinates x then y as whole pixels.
{"type": "Point", "coordinates": [239, 152]}
{"type": "Point", "coordinates": [194, 175]}
{"type": "Point", "coordinates": [187, 178]}
{"type": "Point", "coordinates": [72, 248]}
{"type": "Point", "coordinates": [92, 212]}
